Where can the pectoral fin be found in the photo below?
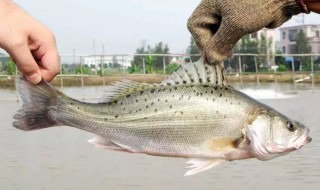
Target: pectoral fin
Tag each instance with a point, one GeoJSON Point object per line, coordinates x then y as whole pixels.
{"type": "Point", "coordinates": [200, 165]}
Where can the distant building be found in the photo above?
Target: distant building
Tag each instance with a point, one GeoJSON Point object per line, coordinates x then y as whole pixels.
{"type": "Point", "coordinates": [288, 37]}
{"type": "Point", "coordinates": [95, 61]}
{"type": "Point", "coordinates": [270, 36]}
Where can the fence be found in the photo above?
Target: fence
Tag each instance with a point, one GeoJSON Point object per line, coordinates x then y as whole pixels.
{"type": "Point", "coordinates": [296, 67]}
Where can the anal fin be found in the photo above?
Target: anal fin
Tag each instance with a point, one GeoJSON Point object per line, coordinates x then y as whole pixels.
{"type": "Point", "coordinates": [200, 165]}
{"type": "Point", "coordinates": [104, 143]}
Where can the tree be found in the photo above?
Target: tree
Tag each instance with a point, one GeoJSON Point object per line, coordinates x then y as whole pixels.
{"type": "Point", "coordinates": [303, 47]}
{"type": "Point", "coordinates": [149, 64]}
{"type": "Point", "coordinates": [159, 48]}
{"type": "Point", "coordinates": [11, 67]}
{"type": "Point", "coordinates": [193, 49]}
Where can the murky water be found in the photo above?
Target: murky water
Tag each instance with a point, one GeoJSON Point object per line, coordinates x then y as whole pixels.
{"type": "Point", "coordinates": [61, 158]}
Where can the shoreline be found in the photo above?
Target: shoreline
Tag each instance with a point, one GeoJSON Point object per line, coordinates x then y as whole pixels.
{"type": "Point", "coordinates": [78, 80]}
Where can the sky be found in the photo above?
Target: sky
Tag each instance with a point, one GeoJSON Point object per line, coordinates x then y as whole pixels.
{"type": "Point", "coordinates": [119, 25]}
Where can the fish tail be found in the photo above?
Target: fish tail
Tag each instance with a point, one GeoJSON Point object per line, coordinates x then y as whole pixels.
{"type": "Point", "coordinates": [38, 105]}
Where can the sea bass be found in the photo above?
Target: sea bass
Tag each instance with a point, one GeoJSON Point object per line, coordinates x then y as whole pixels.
{"type": "Point", "coordinates": [193, 114]}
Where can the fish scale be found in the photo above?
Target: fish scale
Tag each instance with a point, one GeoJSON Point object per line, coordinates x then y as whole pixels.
{"type": "Point", "coordinates": [192, 114]}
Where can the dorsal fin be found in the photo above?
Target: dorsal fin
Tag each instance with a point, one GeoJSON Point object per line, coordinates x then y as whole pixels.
{"type": "Point", "coordinates": [123, 88]}
{"type": "Point", "coordinates": [197, 73]}
{"type": "Point", "coordinates": [189, 74]}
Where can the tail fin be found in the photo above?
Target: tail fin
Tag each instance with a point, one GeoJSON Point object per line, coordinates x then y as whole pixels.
{"type": "Point", "coordinates": [37, 101]}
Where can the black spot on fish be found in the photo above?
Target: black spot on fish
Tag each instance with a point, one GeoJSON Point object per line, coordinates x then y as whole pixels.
{"type": "Point", "coordinates": [145, 118]}
{"type": "Point", "coordinates": [105, 119]}
{"type": "Point", "coordinates": [177, 83]}
{"type": "Point", "coordinates": [124, 109]}
{"type": "Point", "coordinates": [196, 117]}
{"type": "Point", "coordinates": [128, 96]}
{"type": "Point", "coordinates": [189, 97]}
{"type": "Point", "coordinates": [170, 107]}
{"type": "Point", "coordinates": [181, 112]}
{"type": "Point", "coordinates": [78, 108]}
{"type": "Point", "coordinates": [155, 110]}
{"type": "Point", "coordinates": [211, 91]}
{"type": "Point", "coordinates": [225, 116]}
{"type": "Point", "coordinates": [121, 103]}
{"type": "Point", "coordinates": [169, 84]}
{"type": "Point", "coordinates": [115, 101]}
{"type": "Point", "coordinates": [130, 111]}
{"type": "Point", "coordinates": [220, 94]}
{"type": "Point", "coordinates": [206, 86]}
{"type": "Point", "coordinates": [213, 99]}
{"type": "Point", "coordinates": [201, 94]}
{"type": "Point", "coordinates": [217, 112]}
{"type": "Point", "coordinates": [181, 98]}
{"type": "Point", "coordinates": [216, 87]}
{"type": "Point", "coordinates": [152, 103]}
{"type": "Point", "coordinates": [166, 101]}
{"type": "Point", "coordinates": [71, 103]}
{"type": "Point", "coordinates": [147, 106]}
{"type": "Point", "coordinates": [226, 100]}
{"type": "Point", "coordinates": [200, 80]}
{"type": "Point", "coordinates": [141, 92]}
{"type": "Point", "coordinates": [197, 94]}
{"type": "Point", "coordinates": [226, 88]}
{"type": "Point", "coordinates": [159, 100]}
{"type": "Point", "coordinates": [139, 109]}
{"type": "Point", "coordinates": [137, 101]}
{"type": "Point", "coordinates": [175, 88]}
{"type": "Point", "coordinates": [116, 116]}
{"type": "Point", "coordinates": [170, 90]}
{"type": "Point", "coordinates": [231, 103]}
{"type": "Point", "coordinates": [145, 100]}
{"type": "Point", "coordinates": [152, 91]}
{"type": "Point", "coordinates": [192, 80]}
{"type": "Point", "coordinates": [173, 96]}
{"type": "Point", "coordinates": [110, 103]}
{"type": "Point", "coordinates": [184, 82]}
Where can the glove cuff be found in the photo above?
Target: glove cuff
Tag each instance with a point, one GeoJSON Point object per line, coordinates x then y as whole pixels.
{"type": "Point", "coordinates": [303, 6]}
{"type": "Point", "coordinates": [294, 7]}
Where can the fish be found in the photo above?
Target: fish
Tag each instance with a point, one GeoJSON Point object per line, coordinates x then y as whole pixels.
{"type": "Point", "coordinates": [193, 114]}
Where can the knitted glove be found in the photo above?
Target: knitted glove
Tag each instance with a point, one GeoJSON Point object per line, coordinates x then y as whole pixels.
{"type": "Point", "coordinates": [217, 25]}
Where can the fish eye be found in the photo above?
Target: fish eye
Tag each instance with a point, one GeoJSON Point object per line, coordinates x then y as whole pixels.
{"type": "Point", "coordinates": [290, 126]}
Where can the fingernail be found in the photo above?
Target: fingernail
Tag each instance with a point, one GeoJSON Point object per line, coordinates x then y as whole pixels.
{"type": "Point", "coordinates": [34, 78]}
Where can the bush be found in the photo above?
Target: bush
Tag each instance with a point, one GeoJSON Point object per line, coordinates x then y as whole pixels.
{"type": "Point", "coordinates": [282, 68]}
{"type": "Point", "coordinates": [172, 67]}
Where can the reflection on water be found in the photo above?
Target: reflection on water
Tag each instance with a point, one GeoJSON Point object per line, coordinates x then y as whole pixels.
{"type": "Point", "coordinates": [61, 158]}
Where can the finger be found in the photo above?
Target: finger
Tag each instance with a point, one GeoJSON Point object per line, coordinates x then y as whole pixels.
{"type": "Point", "coordinates": [220, 47]}
{"type": "Point", "coordinates": [203, 24]}
{"type": "Point", "coordinates": [26, 64]}
{"type": "Point", "coordinates": [49, 65]}
{"type": "Point", "coordinates": [47, 54]}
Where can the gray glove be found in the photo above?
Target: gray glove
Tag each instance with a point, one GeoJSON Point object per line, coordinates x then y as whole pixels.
{"type": "Point", "coordinates": [217, 25]}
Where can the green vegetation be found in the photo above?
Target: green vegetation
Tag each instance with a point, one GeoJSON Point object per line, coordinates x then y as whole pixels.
{"type": "Point", "coordinates": [156, 62]}
{"type": "Point", "coordinates": [11, 67]}
{"type": "Point", "coordinates": [193, 49]}
{"type": "Point", "coordinates": [172, 67]}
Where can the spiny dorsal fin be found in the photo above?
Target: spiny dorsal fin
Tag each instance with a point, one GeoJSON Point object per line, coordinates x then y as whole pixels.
{"type": "Point", "coordinates": [189, 74]}
{"type": "Point", "coordinates": [197, 73]}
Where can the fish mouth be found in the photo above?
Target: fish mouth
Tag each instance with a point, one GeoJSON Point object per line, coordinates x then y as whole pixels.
{"type": "Point", "coordinates": [303, 139]}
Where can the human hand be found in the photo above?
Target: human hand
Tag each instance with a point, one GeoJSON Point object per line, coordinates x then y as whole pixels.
{"type": "Point", "coordinates": [217, 25]}
{"type": "Point", "coordinates": [30, 44]}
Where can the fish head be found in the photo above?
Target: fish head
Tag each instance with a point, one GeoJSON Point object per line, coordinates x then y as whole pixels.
{"type": "Point", "coordinates": [272, 134]}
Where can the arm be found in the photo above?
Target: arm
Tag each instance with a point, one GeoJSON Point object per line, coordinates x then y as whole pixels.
{"type": "Point", "coordinates": [313, 5]}
{"type": "Point", "coordinates": [30, 44]}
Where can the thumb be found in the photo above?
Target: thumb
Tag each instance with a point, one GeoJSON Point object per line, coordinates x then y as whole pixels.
{"type": "Point", "coordinates": [26, 63]}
